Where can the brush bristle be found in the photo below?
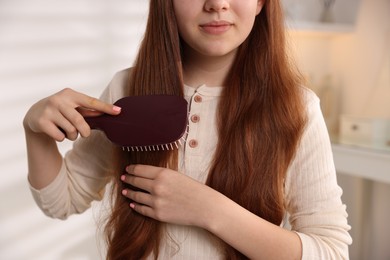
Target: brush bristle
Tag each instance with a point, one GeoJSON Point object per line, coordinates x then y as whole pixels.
{"type": "Point", "coordinates": [155, 148]}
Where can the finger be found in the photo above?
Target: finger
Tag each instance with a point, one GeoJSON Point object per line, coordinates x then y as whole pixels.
{"type": "Point", "coordinates": [138, 197]}
{"type": "Point", "coordinates": [54, 132]}
{"type": "Point", "coordinates": [56, 126]}
{"type": "Point", "coordinates": [74, 124]}
{"type": "Point", "coordinates": [142, 209]}
{"type": "Point", "coordinates": [88, 112]}
{"type": "Point", "coordinates": [145, 171]}
{"type": "Point", "coordinates": [70, 133]}
{"type": "Point", "coordinates": [138, 182]}
{"type": "Point", "coordinates": [92, 103]}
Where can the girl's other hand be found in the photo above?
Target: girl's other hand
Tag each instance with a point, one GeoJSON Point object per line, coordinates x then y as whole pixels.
{"type": "Point", "coordinates": [170, 196]}
{"type": "Point", "coordinates": [60, 115]}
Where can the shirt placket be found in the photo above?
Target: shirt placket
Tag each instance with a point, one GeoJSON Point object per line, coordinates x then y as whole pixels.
{"type": "Point", "coordinates": [194, 143]}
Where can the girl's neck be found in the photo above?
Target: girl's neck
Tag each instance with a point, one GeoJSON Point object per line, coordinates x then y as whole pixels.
{"type": "Point", "coordinates": [212, 71]}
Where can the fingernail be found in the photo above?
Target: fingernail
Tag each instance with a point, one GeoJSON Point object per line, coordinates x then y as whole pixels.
{"type": "Point", "coordinates": [123, 177]}
{"type": "Point", "coordinates": [116, 108]}
{"type": "Point", "coordinates": [124, 192]}
{"type": "Point", "coordinates": [132, 205]}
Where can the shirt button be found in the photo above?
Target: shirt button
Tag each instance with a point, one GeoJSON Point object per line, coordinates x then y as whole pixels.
{"type": "Point", "coordinates": [193, 143]}
{"type": "Point", "coordinates": [198, 99]}
{"type": "Point", "coordinates": [195, 118]}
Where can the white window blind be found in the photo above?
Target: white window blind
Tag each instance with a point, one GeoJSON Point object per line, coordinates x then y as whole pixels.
{"type": "Point", "coordinates": [45, 46]}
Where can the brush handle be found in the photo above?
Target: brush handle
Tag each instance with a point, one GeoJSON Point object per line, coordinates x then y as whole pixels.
{"type": "Point", "coordinates": [96, 122]}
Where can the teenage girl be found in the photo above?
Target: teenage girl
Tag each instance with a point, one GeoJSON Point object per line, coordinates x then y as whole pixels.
{"type": "Point", "coordinates": [257, 149]}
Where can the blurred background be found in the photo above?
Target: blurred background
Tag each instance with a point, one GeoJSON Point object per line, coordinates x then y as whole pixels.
{"type": "Point", "coordinates": [45, 46]}
{"type": "Point", "coordinates": [341, 46]}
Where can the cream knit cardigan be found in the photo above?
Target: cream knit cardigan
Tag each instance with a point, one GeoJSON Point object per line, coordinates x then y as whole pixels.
{"type": "Point", "coordinates": [312, 196]}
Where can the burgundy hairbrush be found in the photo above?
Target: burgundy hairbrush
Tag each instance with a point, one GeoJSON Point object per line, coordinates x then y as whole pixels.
{"type": "Point", "coordinates": [146, 123]}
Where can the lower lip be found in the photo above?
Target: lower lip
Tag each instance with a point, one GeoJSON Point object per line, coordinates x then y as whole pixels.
{"type": "Point", "coordinates": [216, 29]}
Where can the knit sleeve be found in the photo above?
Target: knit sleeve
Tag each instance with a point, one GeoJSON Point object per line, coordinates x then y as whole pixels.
{"type": "Point", "coordinates": [313, 197]}
{"type": "Point", "coordinates": [85, 170]}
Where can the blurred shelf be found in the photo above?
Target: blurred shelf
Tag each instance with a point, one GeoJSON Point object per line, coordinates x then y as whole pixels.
{"type": "Point", "coordinates": [307, 28]}
{"type": "Point", "coordinates": [306, 17]}
{"type": "Point", "coordinates": [372, 164]}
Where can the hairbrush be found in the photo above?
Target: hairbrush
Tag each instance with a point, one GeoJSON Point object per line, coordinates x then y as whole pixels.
{"type": "Point", "coordinates": [145, 123]}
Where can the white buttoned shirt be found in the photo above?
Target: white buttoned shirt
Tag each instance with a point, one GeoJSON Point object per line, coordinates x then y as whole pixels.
{"type": "Point", "coordinates": [312, 196]}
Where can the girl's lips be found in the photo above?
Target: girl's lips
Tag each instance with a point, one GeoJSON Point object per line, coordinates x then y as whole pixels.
{"type": "Point", "coordinates": [216, 27]}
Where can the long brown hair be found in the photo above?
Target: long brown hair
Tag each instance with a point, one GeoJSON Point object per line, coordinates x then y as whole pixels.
{"type": "Point", "coordinates": [261, 118]}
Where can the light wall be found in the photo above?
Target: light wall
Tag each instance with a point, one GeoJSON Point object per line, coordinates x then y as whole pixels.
{"type": "Point", "coordinates": [362, 58]}
{"type": "Point", "coordinates": [358, 63]}
{"type": "Point", "coordinates": [355, 60]}
{"type": "Point", "coordinates": [46, 46]}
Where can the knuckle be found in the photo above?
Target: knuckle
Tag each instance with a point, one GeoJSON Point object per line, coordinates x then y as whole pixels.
{"type": "Point", "coordinates": [163, 176]}
{"type": "Point", "coordinates": [78, 119]}
{"type": "Point", "coordinates": [47, 111]}
{"type": "Point", "coordinates": [159, 214]}
{"type": "Point", "coordinates": [53, 101]}
{"type": "Point", "coordinates": [134, 168]}
{"type": "Point", "coordinates": [158, 204]}
{"type": "Point", "coordinates": [158, 189]}
{"type": "Point", "coordinates": [41, 122]}
{"type": "Point", "coordinates": [132, 180]}
{"type": "Point", "coordinates": [66, 91]}
{"type": "Point", "coordinates": [61, 95]}
{"type": "Point", "coordinates": [72, 134]}
{"type": "Point", "coordinates": [72, 131]}
{"type": "Point", "coordinates": [141, 209]}
{"type": "Point", "coordinates": [92, 101]}
{"type": "Point", "coordinates": [135, 196]}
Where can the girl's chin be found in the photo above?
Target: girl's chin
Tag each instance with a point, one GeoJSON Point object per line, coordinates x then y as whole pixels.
{"type": "Point", "coordinates": [218, 53]}
{"type": "Point", "coordinates": [213, 50]}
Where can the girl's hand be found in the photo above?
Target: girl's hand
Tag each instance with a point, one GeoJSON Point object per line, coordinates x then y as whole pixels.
{"type": "Point", "coordinates": [170, 196]}
{"type": "Point", "coordinates": [60, 116]}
